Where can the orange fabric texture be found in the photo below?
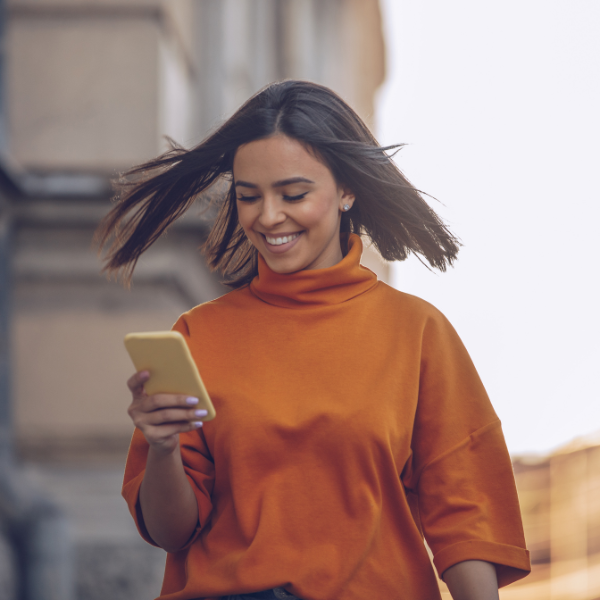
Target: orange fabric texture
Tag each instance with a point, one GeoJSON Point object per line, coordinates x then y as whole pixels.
{"type": "Point", "coordinates": [350, 420]}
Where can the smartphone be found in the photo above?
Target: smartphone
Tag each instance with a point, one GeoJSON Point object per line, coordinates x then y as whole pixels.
{"type": "Point", "coordinates": [165, 354]}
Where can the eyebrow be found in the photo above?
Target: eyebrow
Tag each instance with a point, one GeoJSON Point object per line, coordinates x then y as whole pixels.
{"type": "Point", "coordinates": [275, 184]}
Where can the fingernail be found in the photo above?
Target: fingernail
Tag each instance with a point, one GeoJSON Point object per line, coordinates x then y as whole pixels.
{"type": "Point", "coordinates": [145, 374]}
{"type": "Point", "coordinates": [201, 412]}
{"type": "Point", "coordinates": [191, 400]}
{"type": "Point", "coordinates": [197, 424]}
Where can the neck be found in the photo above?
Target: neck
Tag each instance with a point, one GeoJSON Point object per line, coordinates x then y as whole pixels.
{"type": "Point", "coordinates": [316, 287]}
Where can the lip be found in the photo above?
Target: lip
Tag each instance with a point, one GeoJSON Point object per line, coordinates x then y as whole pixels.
{"type": "Point", "coordinates": [283, 247]}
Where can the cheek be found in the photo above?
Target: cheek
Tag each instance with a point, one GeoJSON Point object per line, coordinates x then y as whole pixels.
{"type": "Point", "coordinates": [245, 215]}
{"type": "Point", "coordinates": [320, 212]}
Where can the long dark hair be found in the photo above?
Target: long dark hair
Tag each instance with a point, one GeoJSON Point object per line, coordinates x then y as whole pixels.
{"type": "Point", "coordinates": [387, 209]}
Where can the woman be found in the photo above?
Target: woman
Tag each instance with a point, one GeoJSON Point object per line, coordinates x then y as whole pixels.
{"type": "Point", "coordinates": [350, 419]}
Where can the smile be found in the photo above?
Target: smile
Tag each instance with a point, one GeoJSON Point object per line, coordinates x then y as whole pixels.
{"type": "Point", "coordinates": [278, 241]}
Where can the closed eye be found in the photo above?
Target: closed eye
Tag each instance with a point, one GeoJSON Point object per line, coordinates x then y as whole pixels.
{"type": "Point", "coordinates": [247, 198]}
{"type": "Point", "coordinates": [292, 198]}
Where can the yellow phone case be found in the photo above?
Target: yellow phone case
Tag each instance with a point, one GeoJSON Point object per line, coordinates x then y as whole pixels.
{"type": "Point", "coordinates": [172, 369]}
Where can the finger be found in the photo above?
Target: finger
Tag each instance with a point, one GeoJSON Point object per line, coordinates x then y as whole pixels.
{"type": "Point", "coordinates": [136, 382]}
{"type": "Point", "coordinates": [174, 415]}
{"type": "Point", "coordinates": [159, 433]}
{"type": "Point", "coordinates": [162, 401]}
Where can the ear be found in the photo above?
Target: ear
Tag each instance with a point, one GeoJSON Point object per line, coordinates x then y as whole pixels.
{"type": "Point", "coordinates": [346, 199]}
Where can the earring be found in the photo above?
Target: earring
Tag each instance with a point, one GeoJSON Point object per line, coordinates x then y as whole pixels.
{"type": "Point", "coordinates": [346, 207]}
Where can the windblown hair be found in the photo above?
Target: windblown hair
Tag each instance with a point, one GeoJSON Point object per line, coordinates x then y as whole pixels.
{"type": "Point", "coordinates": [387, 208]}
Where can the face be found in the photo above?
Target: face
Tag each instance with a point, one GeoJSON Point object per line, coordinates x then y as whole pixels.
{"type": "Point", "coordinates": [289, 204]}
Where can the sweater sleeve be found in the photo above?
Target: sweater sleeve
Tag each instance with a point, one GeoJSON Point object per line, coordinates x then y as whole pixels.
{"type": "Point", "coordinates": [460, 470]}
{"type": "Point", "coordinates": [199, 470]}
{"type": "Point", "coordinates": [197, 463]}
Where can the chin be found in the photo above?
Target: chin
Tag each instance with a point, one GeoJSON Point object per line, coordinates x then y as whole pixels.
{"type": "Point", "coordinates": [285, 266]}
{"type": "Point", "coordinates": [284, 269]}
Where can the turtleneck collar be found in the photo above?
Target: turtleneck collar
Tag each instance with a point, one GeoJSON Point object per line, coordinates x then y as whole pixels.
{"type": "Point", "coordinates": [316, 287]}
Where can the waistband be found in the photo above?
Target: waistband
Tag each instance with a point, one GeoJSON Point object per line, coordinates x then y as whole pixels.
{"type": "Point", "coordinates": [272, 594]}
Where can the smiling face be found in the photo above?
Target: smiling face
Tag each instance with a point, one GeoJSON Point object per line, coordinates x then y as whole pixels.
{"type": "Point", "coordinates": [289, 204]}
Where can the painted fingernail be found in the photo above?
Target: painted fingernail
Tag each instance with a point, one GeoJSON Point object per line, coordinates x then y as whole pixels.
{"type": "Point", "coordinates": [197, 424]}
{"type": "Point", "coordinates": [201, 412]}
{"type": "Point", "coordinates": [191, 400]}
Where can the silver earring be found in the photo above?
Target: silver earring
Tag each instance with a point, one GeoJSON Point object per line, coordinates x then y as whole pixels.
{"type": "Point", "coordinates": [346, 207]}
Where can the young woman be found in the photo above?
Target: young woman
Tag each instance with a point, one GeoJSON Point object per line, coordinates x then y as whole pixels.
{"type": "Point", "coordinates": [351, 423]}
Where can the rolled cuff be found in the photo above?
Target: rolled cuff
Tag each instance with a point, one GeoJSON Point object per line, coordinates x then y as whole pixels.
{"type": "Point", "coordinates": [131, 493]}
{"type": "Point", "coordinates": [200, 502]}
{"type": "Point", "coordinates": [511, 562]}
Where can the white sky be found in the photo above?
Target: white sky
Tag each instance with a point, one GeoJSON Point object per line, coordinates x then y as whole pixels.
{"type": "Point", "coordinates": [500, 105]}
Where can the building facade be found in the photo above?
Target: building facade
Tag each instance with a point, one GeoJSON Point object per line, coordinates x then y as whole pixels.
{"type": "Point", "coordinates": [93, 87]}
{"type": "Point", "coordinates": [560, 504]}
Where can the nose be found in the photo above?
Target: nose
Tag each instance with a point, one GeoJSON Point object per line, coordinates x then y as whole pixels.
{"type": "Point", "coordinates": [271, 213]}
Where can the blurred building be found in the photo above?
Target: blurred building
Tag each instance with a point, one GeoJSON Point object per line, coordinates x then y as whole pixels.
{"type": "Point", "coordinates": [91, 88]}
{"type": "Point", "coordinates": [560, 503]}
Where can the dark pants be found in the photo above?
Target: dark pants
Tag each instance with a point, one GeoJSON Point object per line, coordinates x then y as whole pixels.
{"type": "Point", "coordinates": [274, 594]}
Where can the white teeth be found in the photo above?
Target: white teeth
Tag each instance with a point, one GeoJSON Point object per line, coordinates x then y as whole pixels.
{"type": "Point", "coordinates": [281, 240]}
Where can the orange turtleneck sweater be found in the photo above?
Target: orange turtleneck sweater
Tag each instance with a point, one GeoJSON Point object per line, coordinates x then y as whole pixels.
{"type": "Point", "coordinates": [350, 423]}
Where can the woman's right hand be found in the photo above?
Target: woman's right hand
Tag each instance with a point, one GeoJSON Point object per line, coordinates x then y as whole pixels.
{"type": "Point", "coordinates": [162, 417]}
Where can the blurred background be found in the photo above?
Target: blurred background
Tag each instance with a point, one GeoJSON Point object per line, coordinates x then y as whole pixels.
{"type": "Point", "coordinates": [498, 105]}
